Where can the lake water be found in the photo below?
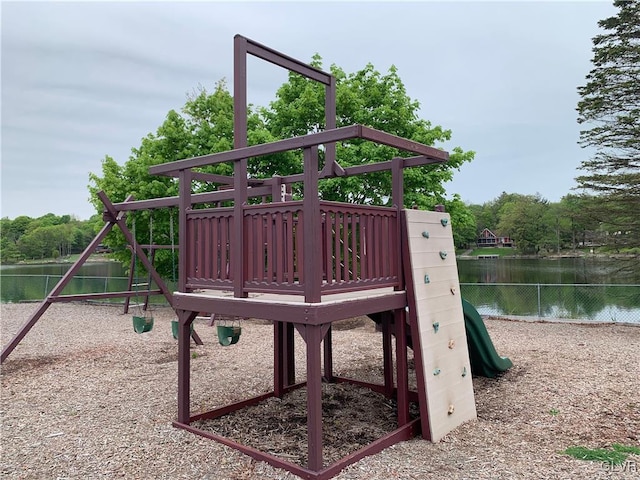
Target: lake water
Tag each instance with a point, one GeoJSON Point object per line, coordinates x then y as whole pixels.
{"type": "Point", "coordinates": [549, 271]}
{"type": "Point", "coordinates": [544, 288]}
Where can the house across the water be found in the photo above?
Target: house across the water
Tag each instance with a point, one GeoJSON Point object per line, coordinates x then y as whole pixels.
{"type": "Point", "coordinates": [489, 239]}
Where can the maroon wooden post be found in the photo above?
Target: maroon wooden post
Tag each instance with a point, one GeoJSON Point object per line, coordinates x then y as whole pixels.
{"type": "Point", "coordinates": [330, 123]}
{"type": "Point", "coordinates": [387, 354]}
{"type": "Point", "coordinates": [313, 338]}
{"type": "Point", "coordinates": [184, 365]}
{"type": "Point", "coordinates": [183, 239]}
{"type": "Point", "coordinates": [239, 166]}
{"type": "Point", "coordinates": [328, 356]}
{"type": "Point", "coordinates": [311, 229]}
{"type": "Point", "coordinates": [278, 358]}
{"type": "Point", "coordinates": [397, 182]}
{"type": "Point", "coordinates": [289, 354]}
{"type": "Point", "coordinates": [402, 366]}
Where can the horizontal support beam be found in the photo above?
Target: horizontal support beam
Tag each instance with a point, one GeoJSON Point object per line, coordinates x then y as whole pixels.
{"type": "Point", "coordinates": [196, 198]}
{"type": "Point", "coordinates": [280, 59]}
{"type": "Point", "coordinates": [96, 296]}
{"type": "Point", "coordinates": [305, 141]}
{"type": "Point", "coordinates": [385, 138]}
{"type": "Point", "coordinates": [291, 311]}
{"type": "Point", "coordinates": [367, 168]}
{"type": "Point", "coordinates": [403, 433]}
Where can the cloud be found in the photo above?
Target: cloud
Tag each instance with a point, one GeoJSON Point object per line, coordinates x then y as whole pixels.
{"type": "Point", "coordinates": [83, 80]}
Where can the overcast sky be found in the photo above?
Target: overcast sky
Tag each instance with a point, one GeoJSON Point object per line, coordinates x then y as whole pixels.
{"type": "Point", "coordinates": [85, 80]}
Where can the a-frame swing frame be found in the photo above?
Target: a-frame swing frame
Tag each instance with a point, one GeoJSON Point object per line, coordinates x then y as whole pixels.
{"type": "Point", "coordinates": [113, 217]}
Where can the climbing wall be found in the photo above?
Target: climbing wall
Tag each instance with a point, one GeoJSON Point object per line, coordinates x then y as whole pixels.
{"type": "Point", "coordinates": [436, 312]}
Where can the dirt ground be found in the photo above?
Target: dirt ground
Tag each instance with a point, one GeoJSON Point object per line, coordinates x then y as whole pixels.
{"type": "Point", "coordinates": [83, 396]}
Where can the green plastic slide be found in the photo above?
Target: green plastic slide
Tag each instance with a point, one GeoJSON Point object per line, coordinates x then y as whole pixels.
{"type": "Point", "coordinates": [485, 361]}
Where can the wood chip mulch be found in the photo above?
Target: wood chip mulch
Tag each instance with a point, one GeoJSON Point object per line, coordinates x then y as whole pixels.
{"type": "Point", "coordinates": [83, 396]}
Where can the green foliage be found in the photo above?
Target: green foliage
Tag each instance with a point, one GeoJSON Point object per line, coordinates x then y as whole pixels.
{"type": "Point", "coordinates": [626, 449]}
{"type": "Point", "coordinates": [205, 125]}
{"type": "Point", "coordinates": [380, 101]}
{"type": "Point", "coordinates": [463, 222]}
{"type": "Point", "coordinates": [45, 237]}
{"type": "Point", "coordinates": [610, 106]}
{"type": "Point", "coordinates": [614, 456]}
{"type": "Point", "coordinates": [523, 218]}
{"type": "Point", "coordinates": [536, 224]}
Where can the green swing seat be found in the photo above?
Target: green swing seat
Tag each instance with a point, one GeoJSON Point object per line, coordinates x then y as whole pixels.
{"type": "Point", "coordinates": [142, 324]}
{"type": "Point", "coordinates": [175, 328]}
{"type": "Point", "coordinates": [228, 335]}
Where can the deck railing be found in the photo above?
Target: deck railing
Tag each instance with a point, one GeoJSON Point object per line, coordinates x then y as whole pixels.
{"type": "Point", "coordinates": [359, 248]}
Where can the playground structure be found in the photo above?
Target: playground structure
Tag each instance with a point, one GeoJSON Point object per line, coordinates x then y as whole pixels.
{"type": "Point", "coordinates": [304, 264]}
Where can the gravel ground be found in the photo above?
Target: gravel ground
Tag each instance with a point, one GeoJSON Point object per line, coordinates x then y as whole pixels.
{"type": "Point", "coordinates": [83, 396]}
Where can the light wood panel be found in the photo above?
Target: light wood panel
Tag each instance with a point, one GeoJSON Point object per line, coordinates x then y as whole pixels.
{"type": "Point", "coordinates": [440, 320]}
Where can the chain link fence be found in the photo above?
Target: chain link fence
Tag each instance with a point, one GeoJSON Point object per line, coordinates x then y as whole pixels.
{"type": "Point", "coordinates": [27, 288]}
{"type": "Point", "coordinates": [590, 302]}
{"type": "Point", "coordinates": [533, 301]}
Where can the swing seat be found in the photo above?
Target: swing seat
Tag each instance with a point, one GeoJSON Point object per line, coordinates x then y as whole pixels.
{"type": "Point", "coordinates": [228, 335]}
{"type": "Point", "coordinates": [175, 326]}
{"type": "Point", "coordinates": [142, 324]}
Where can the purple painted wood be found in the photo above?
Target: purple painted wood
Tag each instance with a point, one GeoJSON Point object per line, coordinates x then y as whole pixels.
{"type": "Point", "coordinates": [353, 260]}
{"type": "Point", "coordinates": [314, 397]}
{"type": "Point", "coordinates": [400, 324]}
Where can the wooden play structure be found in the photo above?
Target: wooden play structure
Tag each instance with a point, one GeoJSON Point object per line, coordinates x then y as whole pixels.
{"type": "Point", "coordinates": [307, 263]}
{"type": "Point", "coordinates": [304, 264]}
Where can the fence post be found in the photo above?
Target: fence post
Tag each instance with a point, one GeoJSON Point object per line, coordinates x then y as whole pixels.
{"type": "Point", "coordinates": [539, 307]}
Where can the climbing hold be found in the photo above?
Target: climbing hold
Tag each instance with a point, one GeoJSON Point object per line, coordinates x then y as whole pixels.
{"type": "Point", "coordinates": [426, 279]}
{"type": "Point", "coordinates": [451, 409]}
{"type": "Point", "coordinates": [436, 371]}
{"type": "Point", "coordinates": [452, 343]}
{"type": "Point", "coordinates": [453, 291]}
{"type": "Point", "coordinates": [444, 221]}
{"type": "Point", "coordinates": [464, 372]}
{"type": "Point", "coordinates": [443, 254]}
{"type": "Point", "coordinates": [436, 326]}
{"type": "Point", "coordinates": [425, 234]}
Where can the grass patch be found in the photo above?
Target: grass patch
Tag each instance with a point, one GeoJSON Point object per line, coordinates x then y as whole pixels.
{"type": "Point", "coordinates": [616, 455]}
{"type": "Point", "coordinates": [626, 449]}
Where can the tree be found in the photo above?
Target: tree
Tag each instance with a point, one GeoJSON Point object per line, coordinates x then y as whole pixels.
{"type": "Point", "coordinates": [44, 237]}
{"type": "Point", "coordinates": [463, 222]}
{"type": "Point", "coordinates": [205, 125]}
{"type": "Point", "coordinates": [610, 105]}
{"type": "Point", "coordinates": [524, 219]}
{"type": "Point", "coordinates": [380, 101]}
